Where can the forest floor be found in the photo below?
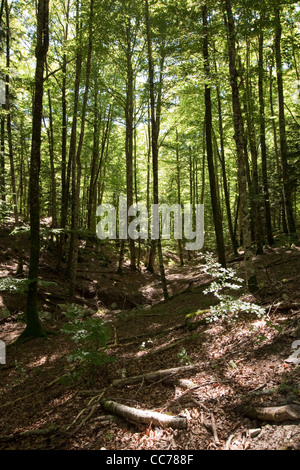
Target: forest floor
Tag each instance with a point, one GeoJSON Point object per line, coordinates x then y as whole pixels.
{"type": "Point", "coordinates": [238, 365]}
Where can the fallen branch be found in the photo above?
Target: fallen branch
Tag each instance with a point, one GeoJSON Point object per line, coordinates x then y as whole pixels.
{"type": "Point", "coordinates": [275, 413]}
{"type": "Point", "coordinates": [214, 429]}
{"type": "Point", "coordinates": [143, 416]}
{"type": "Point", "coordinates": [31, 432]}
{"type": "Point", "coordinates": [152, 376]}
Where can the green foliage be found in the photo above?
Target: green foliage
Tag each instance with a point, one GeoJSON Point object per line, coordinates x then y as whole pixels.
{"type": "Point", "coordinates": [91, 334]}
{"type": "Point", "coordinates": [14, 285]}
{"type": "Point", "coordinates": [184, 358]}
{"type": "Point", "coordinates": [19, 230]}
{"type": "Point", "coordinates": [225, 279]}
{"type": "Point", "coordinates": [5, 212]}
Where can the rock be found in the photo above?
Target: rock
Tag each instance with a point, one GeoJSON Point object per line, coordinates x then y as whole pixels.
{"type": "Point", "coordinates": [296, 344]}
{"type": "Point", "coordinates": [45, 315]}
{"type": "Point", "coordinates": [296, 332]}
{"type": "Point", "coordinates": [4, 313]}
{"type": "Point", "coordinates": [254, 432]}
{"type": "Point", "coordinates": [294, 358]}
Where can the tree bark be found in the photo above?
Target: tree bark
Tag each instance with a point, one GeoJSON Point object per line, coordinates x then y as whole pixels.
{"type": "Point", "coordinates": [239, 139]}
{"type": "Point", "coordinates": [209, 148]}
{"type": "Point", "coordinates": [129, 134]}
{"type": "Point", "coordinates": [8, 119]}
{"type": "Point", "coordinates": [76, 172]}
{"type": "Point", "coordinates": [287, 192]}
{"type": "Point", "coordinates": [2, 161]}
{"type": "Point", "coordinates": [180, 251]}
{"type": "Point", "coordinates": [33, 326]}
{"type": "Point", "coordinates": [268, 222]}
{"type": "Point", "coordinates": [155, 124]}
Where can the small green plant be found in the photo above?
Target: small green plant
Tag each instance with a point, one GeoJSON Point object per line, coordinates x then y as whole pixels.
{"type": "Point", "coordinates": [184, 358]}
{"type": "Point", "coordinates": [91, 334]}
{"type": "Point", "coordinates": [14, 285]}
{"type": "Point", "coordinates": [225, 279]}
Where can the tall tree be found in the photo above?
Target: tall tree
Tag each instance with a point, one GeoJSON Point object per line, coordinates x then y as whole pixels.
{"type": "Point", "coordinates": [76, 163]}
{"type": "Point", "coordinates": [241, 159]}
{"type": "Point", "coordinates": [33, 325]}
{"type": "Point", "coordinates": [209, 147]}
{"type": "Point", "coordinates": [155, 112]}
{"type": "Point", "coordinates": [263, 147]}
{"type": "Point", "coordinates": [8, 122]}
{"type": "Point", "coordinates": [287, 193]}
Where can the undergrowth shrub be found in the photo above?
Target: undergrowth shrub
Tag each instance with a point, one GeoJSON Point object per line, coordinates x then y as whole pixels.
{"type": "Point", "coordinates": [224, 281]}
{"type": "Point", "coordinates": [15, 285]}
{"type": "Point", "coordinates": [91, 334]}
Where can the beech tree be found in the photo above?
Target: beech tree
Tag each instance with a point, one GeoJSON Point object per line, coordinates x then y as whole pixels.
{"type": "Point", "coordinates": [33, 325]}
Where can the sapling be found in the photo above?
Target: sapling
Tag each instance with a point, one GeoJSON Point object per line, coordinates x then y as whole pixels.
{"type": "Point", "coordinates": [91, 334]}
{"type": "Point", "coordinates": [226, 279]}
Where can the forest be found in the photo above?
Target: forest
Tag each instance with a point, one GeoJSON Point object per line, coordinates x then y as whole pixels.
{"type": "Point", "coordinates": [149, 234]}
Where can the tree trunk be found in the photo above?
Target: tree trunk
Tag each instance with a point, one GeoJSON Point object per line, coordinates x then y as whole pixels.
{"type": "Point", "coordinates": [287, 192]}
{"type": "Point", "coordinates": [65, 175]}
{"type": "Point", "coordinates": [180, 252]}
{"type": "Point", "coordinates": [8, 119]}
{"type": "Point", "coordinates": [209, 148]}
{"type": "Point", "coordinates": [33, 326]}
{"type": "Point", "coordinates": [268, 222]}
{"type": "Point", "coordinates": [239, 139]}
{"type": "Point", "coordinates": [52, 167]}
{"type": "Point", "coordinates": [155, 124]}
{"type": "Point", "coordinates": [254, 189]}
{"type": "Point", "coordinates": [76, 172]}
{"type": "Point", "coordinates": [2, 161]}
{"type": "Point", "coordinates": [129, 136]}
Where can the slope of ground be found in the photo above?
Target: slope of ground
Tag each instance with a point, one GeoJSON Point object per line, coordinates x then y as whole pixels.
{"type": "Point", "coordinates": [237, 365]}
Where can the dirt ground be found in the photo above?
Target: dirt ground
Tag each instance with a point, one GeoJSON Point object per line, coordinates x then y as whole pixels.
{"type": "Point", "coordinates": [238, 366]}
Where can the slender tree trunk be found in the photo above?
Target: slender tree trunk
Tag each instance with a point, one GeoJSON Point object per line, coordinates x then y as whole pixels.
{"type": "Point", "coordinates": [155, 124]}
{"type": "Point", "coordinates": [254, 189]}
{"type": "Point", "coordinates": [8, 119]}
{"type": "Point", "coordinates": [76, 173]}
{"type": "Point", "coordinates": [180, 251]}
{"type": "Point", "coordinates": [276, 149]}
{"type": "Point", "coordinates": [268, 222]}
{"type": "Point", "coordinates": [129, 136]}
{"type": "Point", "coordinates": [91, 219]}
{"type": "Point", "coordinates": [65, 176]}
{"type": "Point", "coordinates": [2, 161]}
{"type": "Point", "coordinates": [52, 166]}
{"type": "Point", "coordinates": [34, 327]}
{"type": "Point", "coordinates": [287, 191]}
{"type": "Point", "coordinates": [97, 165]}
{"type": "Point", "coordinates": [209, 148]}
{"type": "Point", "coordinates": [239, 139]}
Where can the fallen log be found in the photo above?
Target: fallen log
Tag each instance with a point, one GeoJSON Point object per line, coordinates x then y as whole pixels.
{"type": "Point", "coordinates": [275, 413]}
{"type": "Point", "coordinates": [152, 376]}
{"type": "Point", "coordinates": [135, 415]}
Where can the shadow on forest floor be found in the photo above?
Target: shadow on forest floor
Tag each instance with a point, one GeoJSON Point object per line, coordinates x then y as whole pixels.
{"type": "Point", "coordinates": [237, 364]}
